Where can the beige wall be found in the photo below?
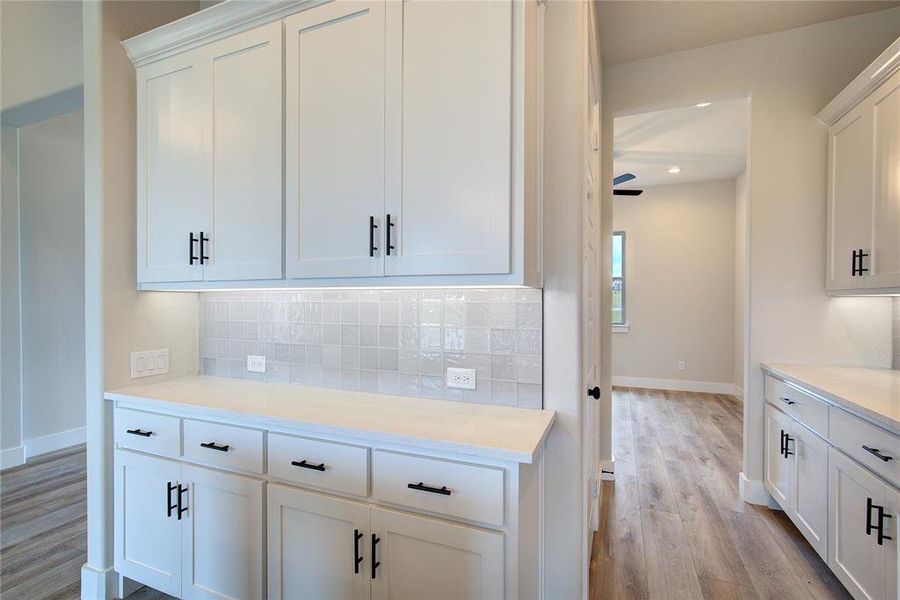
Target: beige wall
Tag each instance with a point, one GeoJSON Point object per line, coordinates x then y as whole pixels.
{"type": "Point", "coordinates": [897, 333]}
{"type": "Point", "coordinates": [740, 278]}
{"type": "Point", "coordinates": [679, 283]}
{"type": "Point", "coordinates": [10, 340]}
{"type": "Point", "coordinates": [789, 76]}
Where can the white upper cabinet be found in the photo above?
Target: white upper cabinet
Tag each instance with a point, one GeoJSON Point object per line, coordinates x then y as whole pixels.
{"type": "Point", "coordinates": [335, 140]}
{"type": "Point", "coordinates": [863, 253]}
{"type": "Point", "coordinates": [449, 145]}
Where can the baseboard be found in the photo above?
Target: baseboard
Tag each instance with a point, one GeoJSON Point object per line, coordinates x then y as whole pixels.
{"type": "Point", "coordinates": [755, 492]}
{"type": "Point", "coordinates": [98, 584]}
{"type": "Point", "coordinates": [738, 393]}
{"type": "Point", "coordinates": [678, 385]}
{"type": "Point", "coordinates": [12, 457]}
{"type": "Point", "coordinates": [54, 441]}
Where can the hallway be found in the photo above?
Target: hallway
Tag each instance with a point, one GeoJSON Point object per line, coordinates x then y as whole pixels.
{"type": "Point", "coordinates": [672, 525]}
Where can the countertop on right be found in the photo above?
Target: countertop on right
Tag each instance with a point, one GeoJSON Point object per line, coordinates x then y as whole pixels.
{"type": "Point", "coordinates": [871, 393]}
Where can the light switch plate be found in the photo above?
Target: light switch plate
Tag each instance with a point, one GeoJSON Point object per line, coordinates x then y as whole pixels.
{"type": "Point", "coordinates": [463, 379]}
{"type": "Point", "coordinates": [256, 364]}
{"type": "Point", "coordinates": [149, 362]}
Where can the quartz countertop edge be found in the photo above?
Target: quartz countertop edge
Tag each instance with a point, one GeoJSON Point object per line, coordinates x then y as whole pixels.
{"type": "Point", "coordinates": [873, 394]}
{"type": "Point", "coordinates": [487, 431]}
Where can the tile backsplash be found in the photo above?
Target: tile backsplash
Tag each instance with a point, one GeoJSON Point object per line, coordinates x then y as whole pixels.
{"type": "Point", "coordinates": [388, 341]}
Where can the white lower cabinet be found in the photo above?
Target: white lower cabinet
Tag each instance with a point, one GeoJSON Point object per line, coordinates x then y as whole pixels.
{"type": "Point", "coordinates": [778, 467]}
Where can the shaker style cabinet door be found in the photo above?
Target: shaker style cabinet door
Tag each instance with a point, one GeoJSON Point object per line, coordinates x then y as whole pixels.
{"type": "Point", "coordinates": [449, 155]}
{"type": "Point", "coordinates": [173, 197]}
{"type": "Point", "coordinates": [778, 466]}
{"type": "Point", "coordinates": [318, 546]}
{"type": "Point", "coordinates": [147, 530]}
{"type": "Point", "coordinates": [222, 535]}
{"type": "Point", "coordinates": [810, 480]}
{"type": "Point", "coordinates": [885, 253]}
{"type": "Point", "coordinates": [243, 85]}
{"type": "Point", "coordinates": [418, 557]}
{"type": "Point", "coordinates": [334, 141]}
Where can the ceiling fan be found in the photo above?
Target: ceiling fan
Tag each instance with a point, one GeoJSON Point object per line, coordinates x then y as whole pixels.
{"type": "Point", "coordinates": [622, 179]}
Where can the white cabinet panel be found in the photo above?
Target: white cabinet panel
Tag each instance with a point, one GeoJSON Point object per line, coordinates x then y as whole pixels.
{"type": "Point", "coordinates": [885, 259]}
{"type": "Point", "coordinates": [778, 466]}
{"type": "Point", "coordinates": [313, 544]}
{"type": "Point", "coordinates": [425, 558]}
{"type": "Point", "coordinates": [244, 90]}
{"type": "Point", "coordinates": [319, 464]}
{"type": "Point", "coordinates": [173, 196]}
{"type": "Point", "coordinates": [890, 548]}
{"type": "Point", "coordinates": [147, 531]}
{"type": "Point", "coordinates": [222, 535]}
{"type": "Point", "coordinates": [449, 146]}
{"type": "Point", "coordinates": [335, 140]}
{"type": "Point", "coordinates": [810, 480]}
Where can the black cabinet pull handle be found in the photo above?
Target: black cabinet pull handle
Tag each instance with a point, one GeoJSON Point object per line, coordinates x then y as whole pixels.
{"type": "Point", "coordinates": [148, 433]}
{"type": "Point", "coordinates": [170, 487]}
{"type": "Point", "coordinates": [425, 488]}
{"type": "Point", "coordinates": [181, 509]}
{"type": "Point", "coordinates": [193, 240]}
{"type": "Point", "coordinates": [203, 240]}
{"type": "Point", "coordinates": [881, 517]}
{"type": "Point", "coordinates": [594, 392]}
{"type": "Point", "coordinates": [357, 535]}
{"type": "Point", "coordinates": [869, 526]}
{"type": "Point", "coordinates": [787, 401]}
{"type": "Point", "coordinates": [862, 256]}
{"type": "Point", "coordinates": [787, 449]}
{"type": "Point", "coordinates": [390, 228]}
{"type": "Point", "coordinates": [853, 272]}
{"type": "Point", "coordinates": [306, 465]}
{"type": "Point", "coordinates": [372, 228]}
{"type": "Point", "coordinates": [879, 527]}
{"type": "Point", "coordinates": [375, 563]}
{"type": "Point", "coordinates": [781, 450]}
{"type": "Point", "coordinates": [877, 453]}
{"type": "Point", "coordinates": [214, 446]}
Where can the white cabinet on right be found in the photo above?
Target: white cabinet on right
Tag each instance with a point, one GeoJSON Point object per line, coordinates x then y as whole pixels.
{"type": "Point", "coordinates": [863, 251]}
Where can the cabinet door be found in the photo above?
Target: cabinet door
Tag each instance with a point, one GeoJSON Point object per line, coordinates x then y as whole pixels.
{"type": "Point", "coordinates": [778, 467]}
{"type": "Point", "coordinates": [222, 535]}
{"type": "Point", "coordinates": [313, 544]}
{"type": "Point", "coordinates": [173, 195]}
{"type": "Point", "coordinates": [242, 81]}
{"type": "Point", "coordinates": [849, 196]}
{"type": "Point", "coordinates": [147, 533]}
{"type": "Point", "coordinates": [854, 554]}
{"type": "Point", "coordinates": [890, 548]}
{"type": "Point", "coordinates": [449, 146]}
{"type": "Point", "coordinates": [425, 558]}
{"type": "Point", "coordinates": [885, 253]}
{"type": "Point", "coordinates": [335, 140]}
{"type": "Point", "coordinates": [810, 480]}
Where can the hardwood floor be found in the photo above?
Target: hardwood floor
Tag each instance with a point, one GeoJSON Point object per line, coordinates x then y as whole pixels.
{"type": "Point", "coordinates": [673, 526]}
{"type": "Point", "coordinates": [43, 527]}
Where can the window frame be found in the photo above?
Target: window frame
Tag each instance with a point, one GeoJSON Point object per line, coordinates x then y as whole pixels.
{"type": "Point", "coordinates": [623, 324]}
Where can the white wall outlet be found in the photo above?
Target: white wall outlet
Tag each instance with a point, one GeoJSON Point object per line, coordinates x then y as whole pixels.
{"type": "Point", "coordinates": [256, 364]}
{"type": "Point", "coordinates": [681, 365]}
{"type": "Point", "coordinates": [149, 362]}
{"type": "Point", "coordinates": [463, 379]}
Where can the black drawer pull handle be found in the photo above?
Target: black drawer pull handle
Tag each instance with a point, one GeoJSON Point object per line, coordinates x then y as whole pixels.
{"type": "Point", "coordinates": [372, 227]}
{"type": "Point", "coordinates": [375, 563]}
{"type": "Point", "coordinates": [214, 446]}
{"type": "Point", "coordinates": [149, 433]}
{"type": "Point", "coordinates": [357, 535]}
{"type": "Point", "coordinates": [426, 488]}
{"type": "Point", "coordinates": [306, 465]}
{"type": "Point", "coordinates": [787, 401]}
{"type": "Point", "coordinates": [389, 244]}
{"type": "Point", "coordinates": [170, 487]}
{"type": "Point", "coordinates": [877, 453]}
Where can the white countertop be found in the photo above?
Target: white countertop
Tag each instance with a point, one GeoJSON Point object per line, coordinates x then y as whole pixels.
{"type": "Point", "coordinates": [870, 393]}
{"type": "Point", "coordinates": [482, 430]}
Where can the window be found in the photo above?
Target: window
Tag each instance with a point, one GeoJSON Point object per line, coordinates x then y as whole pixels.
{"type": "Point", "coordinates": [618, 278]}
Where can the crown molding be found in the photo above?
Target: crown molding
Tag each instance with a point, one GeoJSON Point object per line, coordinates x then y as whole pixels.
{"type": "Point", "coordinates": [887, 63]}
{"type": "Point", "coordinates": [216, 22]}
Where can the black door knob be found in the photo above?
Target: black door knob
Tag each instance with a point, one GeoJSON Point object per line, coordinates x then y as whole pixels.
{"type": "Point", "coordinates": [594, 392]}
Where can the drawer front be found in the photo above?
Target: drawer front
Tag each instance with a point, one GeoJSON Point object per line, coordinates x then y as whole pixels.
{"type": "Point", "coordinates": [849, 434]}
{"type": "Point", "coordinates": [472, 492]}
{"type": "Point", "coordinates": [223, 445]}
{"type": "Point", "coordinates": [807, 409]}
{"type": "Point", "coordinates": [319, 464]}
{"type": "Point", "coordinates": [148, 432]}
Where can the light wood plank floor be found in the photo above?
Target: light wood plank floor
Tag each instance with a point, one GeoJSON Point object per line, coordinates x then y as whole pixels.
{"type": "Point", "coordinates": [43, 527]}
{"type": "Point", "coordinates": [672, 524]}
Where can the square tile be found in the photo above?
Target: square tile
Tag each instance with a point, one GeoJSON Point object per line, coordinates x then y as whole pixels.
{"type": "Point", "coordinates": [528, 341]}
{"type": "Point", "coordinates": [528, 369]}
{"type": "Point", "coordinates": [503, 367]}
{"type": "Point", "coordinates": [368, 335]}
{"type": "Point", "coordinates": [430, 338]}
{"type": "Point", "coordinates": [528, 314]}
{"type": "Point", "coordinates": [454, 339]}
{"type": "Point", "coordinates": [368, 313]}
{"type": "Point", "coordinates": [503, 314]}
{"type": "Point", "coordinates": [388, 336]}
{"type": "Point", "coordinates": [350, 335]}
{"type": "Point", "coordinates": [503, 341]}
{"type": "Point", "coordinates": [431, 363]}
{"type": "Point", "coordinates": [389, 313]}
{"type": "Point", "coordinates": [478, 314]}
{"type": "Point", "coordinates": [368, 358]}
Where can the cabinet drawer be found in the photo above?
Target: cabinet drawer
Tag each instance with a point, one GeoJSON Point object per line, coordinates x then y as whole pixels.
{"type": "Point", "coordinates": [320, 464]}
{"type": "Point", "coordinates": [804, 407]}
{"type": "Point", "coordinates": [850, 434]}
{"type": "Point", "coordinates": [148, 432]}
{"type": "Point", "coordinates": [223, 445]}
{"type": "Point", "coordinates": [471, 491]}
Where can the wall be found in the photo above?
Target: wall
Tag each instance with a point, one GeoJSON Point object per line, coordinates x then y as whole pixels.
{"type": "Point", "coordinates": [789, 76]}
{"type": "Point", "coordinates": [11, 451]}
{"type": "Point", "coordinates": [388, 341]}
{"type": "Point", "coordinates": [679, 284]}
{"type": "Point", "coordinates": [740, 280]}
{"type": "Point", "coordinates": [51, 176]}
{"type": "Point", "coordinates": [896, 333]}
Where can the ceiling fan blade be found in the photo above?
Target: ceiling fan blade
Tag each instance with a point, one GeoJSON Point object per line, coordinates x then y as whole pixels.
{"type": "Point", "coordinates": [627, 192]}
{"type": "Point", "coordinates": [623, 178]}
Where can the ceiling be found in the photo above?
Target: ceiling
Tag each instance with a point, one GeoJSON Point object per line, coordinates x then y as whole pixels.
{"type": "Point", "coordinates": [634, 29]}
{"type": "Point", "coordinates": [708, 144]}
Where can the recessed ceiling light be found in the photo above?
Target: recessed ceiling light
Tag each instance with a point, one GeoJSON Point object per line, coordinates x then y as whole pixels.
{"type": "Point", "coordinates": [703, 104]}
{"type": "Point", "coordinates": [674, 170]}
